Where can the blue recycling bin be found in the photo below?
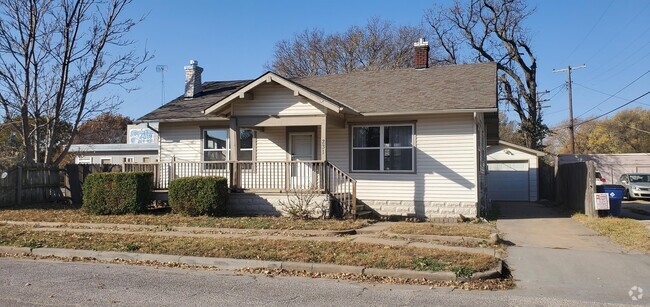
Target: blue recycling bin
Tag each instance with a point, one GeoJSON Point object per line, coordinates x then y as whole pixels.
{"type": "Point", "coordinates": [615, 193]}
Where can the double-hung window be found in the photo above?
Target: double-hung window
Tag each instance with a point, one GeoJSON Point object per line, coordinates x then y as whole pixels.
{"type": "Point", "coordinates": [215, 147]}
{"type": "Point", "coordinates": [246, 140]}
{"type": "Point", "coordinates": [383, 148]}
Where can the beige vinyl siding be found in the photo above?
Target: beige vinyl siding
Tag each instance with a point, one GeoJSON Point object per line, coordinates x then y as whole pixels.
{"type": "Point", "coordinates": [271, 144]}
{"type": "Point", "coordinates": [180, 140]}
{"type": "Point", "coordinates": [445, 163]}
{"type": "Point", "coordinates": [273, 99]}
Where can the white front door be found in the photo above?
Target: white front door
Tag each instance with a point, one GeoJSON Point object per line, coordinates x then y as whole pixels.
{"type": "Point", "coordinates": [301, 148]}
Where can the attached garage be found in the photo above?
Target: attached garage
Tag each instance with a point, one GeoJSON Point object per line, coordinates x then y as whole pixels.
{"type": "Point", "coordinates": [512, 172]}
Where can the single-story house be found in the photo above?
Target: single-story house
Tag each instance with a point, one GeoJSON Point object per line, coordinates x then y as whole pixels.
{"type": "Point", "coordinates": [408, 142]}
{"type": "Point", "coordinates": [141, 147]}
{"type": "Point", "coordinates": [513, 172]}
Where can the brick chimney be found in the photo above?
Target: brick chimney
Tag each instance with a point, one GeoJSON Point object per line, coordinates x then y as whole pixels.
{"type": "Point", "coordinates": [421, 54]}
{"type": "Point", "coordinates": [193, 79]}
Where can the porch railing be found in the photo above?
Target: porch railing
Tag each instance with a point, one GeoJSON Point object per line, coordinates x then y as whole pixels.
{"type": "Point", "coordinates": [279, 176]}
{"type": "Point", "coordinates": [343, 188]}
{"type": "Point", "coordinates": [263, 176]}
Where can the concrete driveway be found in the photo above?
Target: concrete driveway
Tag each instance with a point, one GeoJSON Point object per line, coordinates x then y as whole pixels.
{"type": "Point", "coordinates": [553, 255]}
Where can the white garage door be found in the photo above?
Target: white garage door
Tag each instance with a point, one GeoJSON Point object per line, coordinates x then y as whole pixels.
{"type": "Point", "coordinates": [508, 181]}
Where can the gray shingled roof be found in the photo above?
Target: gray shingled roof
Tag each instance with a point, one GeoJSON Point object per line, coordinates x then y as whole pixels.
{"type": "Point", "coordinates": [190, 109]}
{"type": "Point", "coordinates": [468, 86]}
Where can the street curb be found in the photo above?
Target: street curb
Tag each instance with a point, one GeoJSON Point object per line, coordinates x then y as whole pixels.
{"type": "Point", "coordinates": [489, 274]}
{"type": "Point", "coordinates": [437, 276]}
{"type": "Point", "coordinates": [233, 264]}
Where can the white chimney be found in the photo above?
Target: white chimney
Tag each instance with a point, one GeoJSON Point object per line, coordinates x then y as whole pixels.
{"type": "Point", "coordinates": [193, 79]}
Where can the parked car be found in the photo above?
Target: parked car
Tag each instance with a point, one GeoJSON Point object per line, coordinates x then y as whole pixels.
{"type": "Point", "coordinates": [599, 179]}
{"type": "Point", "coordinates": [636, 185]}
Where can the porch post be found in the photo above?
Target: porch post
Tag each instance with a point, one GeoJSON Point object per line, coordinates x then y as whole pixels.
{"type": "Point", "coordinates": [234, 144]}
{"type": "Point", "coordinates": [323, 153]}
{"type": "Point", "coordinates": [323, 139]}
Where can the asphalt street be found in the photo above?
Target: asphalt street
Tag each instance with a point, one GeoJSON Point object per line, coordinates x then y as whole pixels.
{"type": "Point", "coordinates": [25, 282]}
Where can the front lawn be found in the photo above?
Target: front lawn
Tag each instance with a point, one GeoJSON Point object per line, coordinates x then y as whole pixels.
{"type": "Point", "coordinates": [626, 232]}
{"type": "Point", "coordinates": [481, 231]}
{"type": "Point", "coordinates": [343, 252]}
{"type": "Point", "coordinates": [170, 219]}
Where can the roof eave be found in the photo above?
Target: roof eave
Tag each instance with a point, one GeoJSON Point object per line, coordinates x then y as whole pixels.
{"type": "Point", "coordinates": [269, 77]}
{"type": "Point", "coordinates": [479, 110]}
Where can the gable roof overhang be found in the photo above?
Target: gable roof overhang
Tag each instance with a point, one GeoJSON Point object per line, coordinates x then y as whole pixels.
{"type": "Point", "coordinates": [298, 90]}
{"type": "Point", "coordinates": [522, 148]}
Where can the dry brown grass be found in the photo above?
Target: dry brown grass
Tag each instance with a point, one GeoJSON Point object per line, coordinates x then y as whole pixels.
{"type": "Point", "coordinates": [344, 253]}
{"type": "Point", "coordinates": [481, 231]}
{"type": "Point", "coordinates": [169, 219]}
{"type": "Point", "coordinates": [626, 232]}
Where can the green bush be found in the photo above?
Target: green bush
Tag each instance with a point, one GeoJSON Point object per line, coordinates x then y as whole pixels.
{"type": "Point", "coordinates": [117, 193]}
{"type": "Point", "coordinates": [199, 195]}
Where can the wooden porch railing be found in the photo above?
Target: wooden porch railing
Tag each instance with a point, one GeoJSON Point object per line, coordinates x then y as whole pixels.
{"type": "Point", "coordinates": [343, 188]}
{"type": "Point", "coordinates": [263, 176]}
{"type": "Point", "coordinates": [279, 176]}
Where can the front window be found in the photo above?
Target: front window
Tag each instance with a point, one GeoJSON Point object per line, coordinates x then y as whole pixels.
{"type": "Point", "coordinates": [382, 148]}
{"type": "Point", "coordinates": [246, 145]}
{"type": "Point", "coordinates": [215, 145]}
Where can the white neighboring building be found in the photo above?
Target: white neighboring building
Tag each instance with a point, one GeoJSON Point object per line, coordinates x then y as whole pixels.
{"type": "Point", "coordinates": [512, 172]}
{"type": "Point", "coordinates": [141, 147]}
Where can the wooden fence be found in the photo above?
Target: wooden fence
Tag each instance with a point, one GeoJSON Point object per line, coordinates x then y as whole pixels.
{"type": "Point", "coordinates": [77, 173]}
{"type": "Point", "coordinates": [32, 184]}
{"type": "Point", "coordinates": [575, 187]}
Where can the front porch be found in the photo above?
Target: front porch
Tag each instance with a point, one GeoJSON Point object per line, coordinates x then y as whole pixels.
{"type": "Point", "coordinates": [263, 180]}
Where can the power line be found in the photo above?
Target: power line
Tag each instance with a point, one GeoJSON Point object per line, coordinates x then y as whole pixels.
{"type": "Point", "coordinates": [633, 128]}
{"type": "Point", "coordinates": [633, 81]}
{"type": "Point", "coordinates": [618, 64]}
{"type": "Point", "coordinates": [597, 91]}
{"type": "Point", "coordinates": [614, 110]}
{"type": "Point", "coordinates": [591, 30]}
{"type": "Point", "coordinates": [611, 40]}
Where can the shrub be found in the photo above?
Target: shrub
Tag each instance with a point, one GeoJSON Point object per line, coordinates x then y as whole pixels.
{"type": "Point", "coordinates": [199, 195]}
{"type": "Point", "coordinates": [117, 193]}
{"type": "Point", "coordinates": [303, 204]}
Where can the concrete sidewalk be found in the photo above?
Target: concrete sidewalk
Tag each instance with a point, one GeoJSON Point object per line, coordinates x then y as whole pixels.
{"type": "Point", "coordinates": [553, 255]}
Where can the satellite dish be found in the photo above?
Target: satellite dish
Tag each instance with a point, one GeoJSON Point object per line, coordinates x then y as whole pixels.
{"type": "Point", "coordinates": [4, 175]}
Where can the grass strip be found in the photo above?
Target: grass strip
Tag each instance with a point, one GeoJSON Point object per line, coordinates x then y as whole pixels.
{"type": "Point", "coordinates": [343, 253]}
{"type": "Point", "coordinates": [481, 231]}
{"type": "Point", "coordinates": [170, 219]}
{"type": "Point", "coordinates": [626, 232]}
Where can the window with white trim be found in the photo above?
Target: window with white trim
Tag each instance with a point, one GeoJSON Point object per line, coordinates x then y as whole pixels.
{"type": "Point", "coordinates": [383, 148]}
{"type": "Point", "coordinates": [246, 138]}
{"type": "Point", "coordinates": [215, 145]}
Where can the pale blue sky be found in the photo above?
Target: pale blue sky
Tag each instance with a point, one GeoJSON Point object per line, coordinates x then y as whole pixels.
{"type": "Point", "coordinates": [234, 39]}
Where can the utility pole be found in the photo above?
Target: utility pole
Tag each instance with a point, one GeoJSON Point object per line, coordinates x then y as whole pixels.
{"type": "Point", "coordinates": [571, 126]}
{"type": "Point", "coordinates": [162, 69]}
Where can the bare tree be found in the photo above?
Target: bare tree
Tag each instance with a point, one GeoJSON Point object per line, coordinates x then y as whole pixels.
{"type": "Point", "coordinates": [493, 31]}
{"type": "Point", "coordinates": [55, 56]}
{"type": "Point", "coordinates": [377, 45]}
